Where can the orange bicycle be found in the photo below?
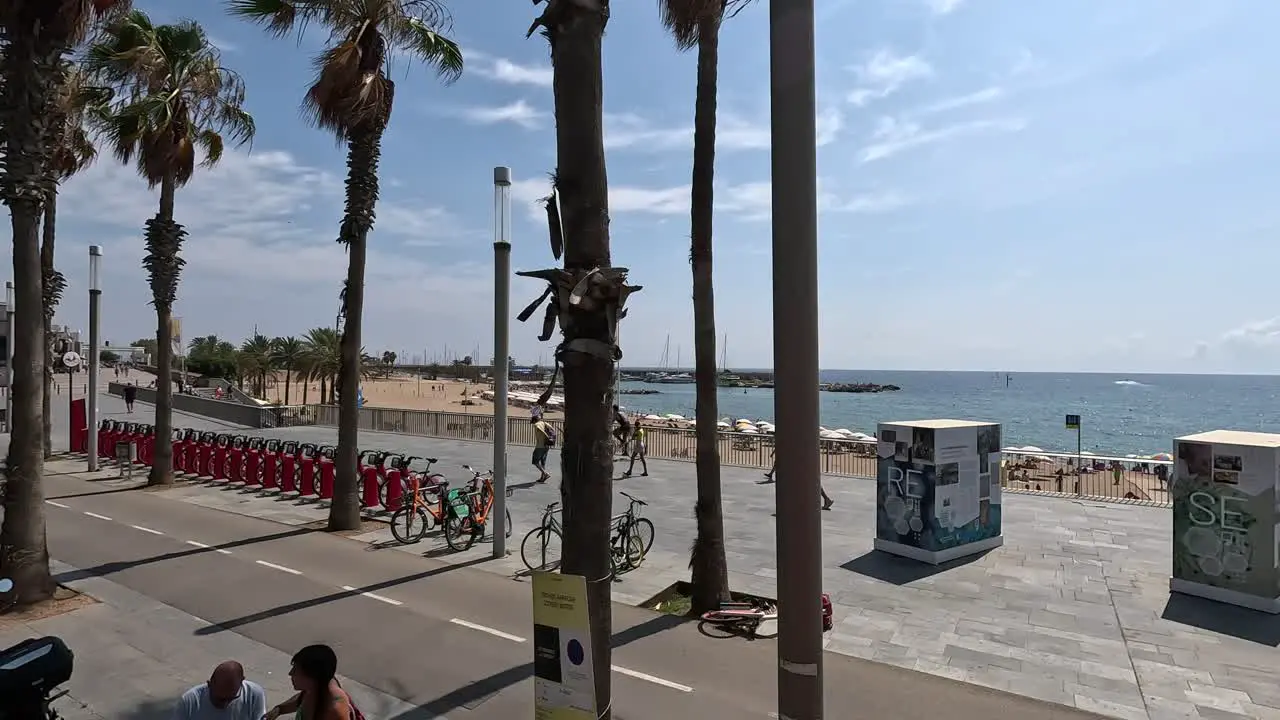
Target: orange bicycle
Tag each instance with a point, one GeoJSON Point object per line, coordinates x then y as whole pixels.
{"type": "Point", "coordinates": [469, 511]}
{"type": "Point", "coordinates": [424, 506]}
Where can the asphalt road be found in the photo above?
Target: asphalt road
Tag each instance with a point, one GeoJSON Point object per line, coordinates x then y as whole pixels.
{"type": "Point", "coordinates": [452, 641]}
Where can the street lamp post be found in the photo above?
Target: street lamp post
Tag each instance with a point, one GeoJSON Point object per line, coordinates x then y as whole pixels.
{"type": "Point", "coordinates": [8, 387]}
{"type": "Point", "coordinates": [501, 350]}
{"type": "Point", "coordinates": [91, 403]}
{"type": "Point", "coordinates": [795, 357]}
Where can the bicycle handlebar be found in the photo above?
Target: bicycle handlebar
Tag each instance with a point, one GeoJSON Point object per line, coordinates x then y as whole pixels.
{"type": "Point", "coordinates": [635, 500]}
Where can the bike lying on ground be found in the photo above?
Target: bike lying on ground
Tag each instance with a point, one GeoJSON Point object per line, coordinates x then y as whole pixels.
{"type": "Point", "coordinates": [30, 673]}
{"type": "Point", "coordinates": [744, 618]}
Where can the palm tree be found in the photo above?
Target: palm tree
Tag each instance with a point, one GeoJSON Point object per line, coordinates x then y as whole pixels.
{"type": "Point", "coordinates": [323, 358]}
{"type": "Point", "coordinates": [287, 353]}
{"type": "Point", "coordinates": [256, 363]}
{"type": "Point", "coordinates": [73, 151]}
{"type": "Point", "coordinates": [176, 97]}
{"type": "Point", "coordinates": [352, 97]}
{"type": "Point", "coordinates": [580, 207]}
{"type": "Point", "coordinates": [696, 23]}
{"type": "Point", "coordinates": [37, 35]}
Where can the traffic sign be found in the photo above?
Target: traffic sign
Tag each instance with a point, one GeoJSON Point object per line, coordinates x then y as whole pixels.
{"type": "Point", "coordinates": [1073, 422]}
{"type": "Point", "coordinates": [71, 359]}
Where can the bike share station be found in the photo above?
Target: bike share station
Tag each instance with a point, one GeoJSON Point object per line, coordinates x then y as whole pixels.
{"type": "Point", "coordinates": [937, 489]}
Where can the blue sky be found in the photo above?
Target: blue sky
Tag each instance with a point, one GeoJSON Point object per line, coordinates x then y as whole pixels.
{"type": "Point", "coordinates": [1005, 185]}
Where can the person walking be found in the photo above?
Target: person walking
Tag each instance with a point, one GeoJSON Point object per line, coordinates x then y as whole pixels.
{"type": "Point", "coordinates": [827, 502]}
{"type": "Point", "coordinates": [638, 451]}
{"type": "Point", "coordinates": [130, 394]}
{"type": "Point", "coordinates": [544, 438]}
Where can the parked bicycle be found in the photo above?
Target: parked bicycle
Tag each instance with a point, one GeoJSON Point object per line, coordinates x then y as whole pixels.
{"type": "Point", "coordinates": [631, 536]}
{"type": "Point", "coordinates": [424, 506]}
{"type": "Point", "coordinates": [470, 511]}
{"type": "Point", "coordinates": [540, 549]}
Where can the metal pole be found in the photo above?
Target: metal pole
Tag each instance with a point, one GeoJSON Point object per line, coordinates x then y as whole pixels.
{"type": "Point", "coordinates": [795, 357]}
{"type": "Point", "coordinates": [8, 373]}
{"type": "Point", "coordinates": [91, 403]}
{"type": "Point", "coordinates": [501, 350]}
{"type": "Point", "coordinates": [1079, 458]}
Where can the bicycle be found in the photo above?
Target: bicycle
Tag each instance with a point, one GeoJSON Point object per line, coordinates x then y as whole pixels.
{"type": "Point", "coordinates": [743, 618]}
{"type": "Point", "coordinates": [547, 534]}
{"type": "Point", "coordinates": [631, 537]}
{"type": "Point", "coordinates": [425, 504]}
{"type": "Point", "coordinates": [470, 511]}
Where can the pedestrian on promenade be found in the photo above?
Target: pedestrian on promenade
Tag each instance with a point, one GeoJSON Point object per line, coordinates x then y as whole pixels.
{"type": "Point", "coordinates": [226, 696]}
{"type": "Point", "coordinates": [638, 450]}
{"type": "Point", "coordinates": [827, 502]}
{"type": "Point", "coordinates": [320, 695]}
{"type": "Point", "coordinates": [544, 438]}
{"type": "Point", "coordinates": [130, 394]}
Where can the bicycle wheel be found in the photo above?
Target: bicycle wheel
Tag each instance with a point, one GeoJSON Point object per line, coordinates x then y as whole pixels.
{"type": "Point", "coordinates": [635, 551]}
{"type": "Point", "coordinates": [642, 528]}
{"type": "Point", "coordinates": [459, 533]}
{"type": "Point", "coordinates": [540, 549]}
{"type": "Point", "coordinates": [508, 523]}
{"type": "Point", "coordinates": [409, 525]}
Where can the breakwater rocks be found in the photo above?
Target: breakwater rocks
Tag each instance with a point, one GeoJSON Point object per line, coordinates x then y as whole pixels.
{"type": "Point", "coordinates": [858, 388]}
{"type": "Point", "coordinates": [640, 392]}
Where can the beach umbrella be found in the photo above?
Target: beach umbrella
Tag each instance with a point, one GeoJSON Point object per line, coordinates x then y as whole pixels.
{"type": "Point", "coordinates": [652, 417]}
{"type": "Point", "coordinates": [722, 424]}
{"type": "Point", "coordinates": [1030, 448]}
{"type": "Point", "coordinates": [1162, 456]}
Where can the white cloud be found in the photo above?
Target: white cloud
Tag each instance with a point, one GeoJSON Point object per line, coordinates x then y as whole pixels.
{"type": "Point", "coordinates": [884, 73]}
{"type": "Point", "coordinates": [894, 136]}
{"type": "Point", "coordinates": [944, 7]}
{"type": "Point", "coordinates": [733, 132]}
{"type": "Point", "coordinates": [224, 45]}
{"type": "Point", "coordinates": [506, 71]}
{"type": "Point", "coordinates": [1259, 333]}
{"type": "Point", "coordinates": [517, 113]}
{"type": "Point", "coordinates": [980, 97]}
{"type": "Point", "coordinates": [750, 201]}
{"type": "Point", "coordinates": [261, 250]}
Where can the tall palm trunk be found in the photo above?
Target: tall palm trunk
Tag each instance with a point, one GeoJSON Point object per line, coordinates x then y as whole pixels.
{"type": "Point", "coordinates": [163, 263]}
{"type": "Point", "coordinates": [30, 72]}
{"type": "Point", "coordinates": [363, 150]}
{"type": "Point", "coordinates": [710, 572]}
{"type": "Point", "coordinates": [288, 374]}
{"type": "Point", "coordinates": [586, 487]}
{"type": "Point", "coordinates": [49, 303]}
{"type": "Point", "coordinates": [324, 399]}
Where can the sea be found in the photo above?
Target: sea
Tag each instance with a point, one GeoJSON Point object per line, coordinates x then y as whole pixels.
{"type": "Point", "coordinates": [1120, 414]}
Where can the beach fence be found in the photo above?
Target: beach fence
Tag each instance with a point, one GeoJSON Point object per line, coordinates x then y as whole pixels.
{"type": "Point", "coordinates": [1038, 472]}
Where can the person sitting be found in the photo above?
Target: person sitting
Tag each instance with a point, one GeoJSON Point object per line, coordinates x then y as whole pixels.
{"type": "Point", "coordinates": [225, 696]}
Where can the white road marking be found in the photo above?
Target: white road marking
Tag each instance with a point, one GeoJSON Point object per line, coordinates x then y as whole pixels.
{"type": "Point", "coordinates": [207, 547]}
{"type": "Point", "coordinates": [373, 596]}
{"type": "Point", "coordinates": [146, 529]}
{"type": "Point", "coordinates": [96, 515]}
{"type": "Point", "coordinates": [651, 678]}
{"type": "Point", "coordinates": [486, 629]}
{"type": "Point", "coordinates": [58, 504]}
{"type": "Point", "coordinates": [281, 568]}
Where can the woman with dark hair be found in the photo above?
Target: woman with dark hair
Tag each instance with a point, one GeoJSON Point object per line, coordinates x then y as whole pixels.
{"type": "Point", "coordinates": [319, 697]}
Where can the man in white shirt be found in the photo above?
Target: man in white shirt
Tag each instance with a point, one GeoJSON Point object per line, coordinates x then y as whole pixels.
{"type": "Point", "coordinates": [226, 696]}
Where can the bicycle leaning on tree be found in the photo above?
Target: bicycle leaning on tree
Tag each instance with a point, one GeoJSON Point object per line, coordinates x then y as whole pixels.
{"type": "Point", "coordinates": [630, 538]}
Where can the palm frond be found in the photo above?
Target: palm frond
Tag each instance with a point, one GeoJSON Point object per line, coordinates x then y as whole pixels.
{"type": "Point", "coordinates": [422, 42]}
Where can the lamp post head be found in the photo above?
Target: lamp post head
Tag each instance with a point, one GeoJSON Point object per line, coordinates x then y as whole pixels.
{"type": "Point", "coordinates": [502, 176]}
{"type": "Point", "coordinates": [95, 268]}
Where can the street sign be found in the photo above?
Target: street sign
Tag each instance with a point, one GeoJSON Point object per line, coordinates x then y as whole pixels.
{"type": "Point", "coordinates": [1073, 422]}
{"type": "Point", "coordinates": [71, 359]}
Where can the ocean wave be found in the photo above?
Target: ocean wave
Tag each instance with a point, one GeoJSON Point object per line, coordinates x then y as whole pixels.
{"type": "Point", "coordinates": [1130, 382]}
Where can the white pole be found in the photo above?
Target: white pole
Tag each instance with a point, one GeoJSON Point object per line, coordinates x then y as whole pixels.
{"type": "Point", "coordinates": [95, 320]}
{"type": "Point", "coordinates": [501, 350]}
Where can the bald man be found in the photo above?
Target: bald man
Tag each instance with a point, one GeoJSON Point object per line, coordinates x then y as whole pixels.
{"type": "Point", "coordinates": [226, 696]}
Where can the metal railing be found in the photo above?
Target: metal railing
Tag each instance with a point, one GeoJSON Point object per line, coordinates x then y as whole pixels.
{"type": "Point", "coordinates": [1134, 479]}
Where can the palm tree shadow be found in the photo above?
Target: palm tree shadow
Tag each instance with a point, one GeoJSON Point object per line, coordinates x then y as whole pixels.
{"type": "Point", "coordinates": [149, 709]}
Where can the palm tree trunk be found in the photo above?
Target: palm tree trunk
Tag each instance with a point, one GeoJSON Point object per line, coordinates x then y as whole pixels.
{"type": "Point", "coordinates": [288, 374]}
{"type": "Point", "coordinates": [710, 572]}
{"type": "Point", "coordinates": [164, 241]}
{"type": "Point", "coordinates": [586, 486]}
{"type": "Point", "coordinates": [29, 72]}
{"type": "Point", "coordinates": [46, 273]}
{"type": "Point", "coordinates": [364, 147]}
{"type": "Point", "coordinates": [324, 399]}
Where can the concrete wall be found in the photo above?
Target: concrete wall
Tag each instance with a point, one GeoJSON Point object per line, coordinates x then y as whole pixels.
{"type": "Point", "coordinates": [230, 412]}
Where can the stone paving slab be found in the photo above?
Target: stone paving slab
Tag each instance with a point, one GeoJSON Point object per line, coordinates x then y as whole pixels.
{"type": "Point", "coordinates": [1074, 608]}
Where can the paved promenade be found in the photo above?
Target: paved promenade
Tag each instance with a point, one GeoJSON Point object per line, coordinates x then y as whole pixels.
{"type": "Point", "coordinates": [1074, 608]}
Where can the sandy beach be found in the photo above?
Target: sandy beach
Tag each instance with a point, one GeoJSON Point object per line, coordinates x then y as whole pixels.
{"type": "Point", "coordinates": [408, 393]}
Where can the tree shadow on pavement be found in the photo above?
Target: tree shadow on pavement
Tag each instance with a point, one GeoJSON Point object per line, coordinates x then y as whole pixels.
{"type": "Point", "coordinates": [225, 625]}
{"type": "Point", "coordinates": [119, 566]}
{"type": "Point", "coordinates": [148, 709]}
{"type": "Point", "coordinates": [471, 694]}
